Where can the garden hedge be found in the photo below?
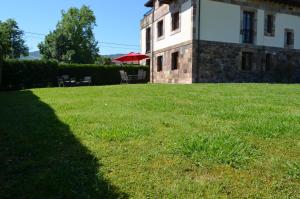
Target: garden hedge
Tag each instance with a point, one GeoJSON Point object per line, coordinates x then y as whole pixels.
{"type": "Point", "coordinates": [38, 74]}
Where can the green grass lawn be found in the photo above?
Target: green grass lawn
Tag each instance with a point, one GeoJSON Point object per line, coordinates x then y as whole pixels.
{"type": "Point", "coordinates": [151, 141]}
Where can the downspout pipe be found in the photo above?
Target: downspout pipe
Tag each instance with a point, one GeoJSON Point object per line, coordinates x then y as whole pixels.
{"type": "Point", "coordinates": [152, 44]}
{"type": "Point", "coordinates": [199, 38]}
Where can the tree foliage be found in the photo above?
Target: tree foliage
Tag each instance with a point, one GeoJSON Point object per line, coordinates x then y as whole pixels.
{"type": "Point", "coordinates": [12, 44]}
{"type": "Point", "coordinates": [73, 39]}
{"type": "Point", "coordinates": [101, 60]}
{"type": "Point", "coordinates": [4, 42]}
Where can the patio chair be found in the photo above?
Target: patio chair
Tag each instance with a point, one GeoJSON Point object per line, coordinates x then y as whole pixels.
{"type": "Point", "coordinates": [65, 77]}
{"type": "Point", "coordinates": [87, 80]}
{"type": "Point", "coordinates": [73, 81]}
{"type": "Point", "coordinates": [124, 77]}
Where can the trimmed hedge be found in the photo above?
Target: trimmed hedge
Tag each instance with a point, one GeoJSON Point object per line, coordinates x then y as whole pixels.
{"type": "Point", "coordinates": [38, 74]}
{"type": "Point", "coordinates": [101, 75]}
{"type": "Point", "coordinates": [28, 74]}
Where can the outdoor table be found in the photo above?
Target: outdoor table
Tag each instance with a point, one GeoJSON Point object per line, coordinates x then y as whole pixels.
{"type": "Point", "coordinates": [70, 82]}
{"type": "Point", "coordinates": [132, 77]}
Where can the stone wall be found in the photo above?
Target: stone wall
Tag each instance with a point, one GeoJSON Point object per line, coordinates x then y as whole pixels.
{"type": "Point", "coordinates": [221, 62]}
{"type": "Point", "coordinates": [181, 75]}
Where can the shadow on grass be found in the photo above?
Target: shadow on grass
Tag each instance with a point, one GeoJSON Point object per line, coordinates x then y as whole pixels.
{"type": "Point", "coordinates": [41, 158]}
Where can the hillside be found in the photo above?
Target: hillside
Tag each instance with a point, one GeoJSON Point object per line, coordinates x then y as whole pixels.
{"type": "Point", "coordinates": [35, 55]}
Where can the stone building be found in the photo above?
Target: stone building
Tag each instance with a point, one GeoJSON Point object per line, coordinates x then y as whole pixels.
{"type": "Point", "coordinates": [222, 40]}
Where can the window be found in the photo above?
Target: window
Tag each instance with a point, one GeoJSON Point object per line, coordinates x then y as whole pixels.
{"type": "Point", "coordinates": [148, 62]}
{"type": "Point", "coordinates": [270, 25]}
{"type": "Point", "coordinates": [159, 63]}
{"type": "Point", "coordinates": [160, 28]}
{"type": "Point", "coordinates": [247, 61]}
{"type": "Point", "coordinates": [175, 57]}
{"type": "Point", "coordinates": [248, 27]}
{"type": "Point", "coordinates": [268, 61]}
{"type": "Point", "coordinates": [289, 38]}
{"type": "Point", "coordinates": [148, 40]}
{"type": "Point", "coordinates": [175, 21]}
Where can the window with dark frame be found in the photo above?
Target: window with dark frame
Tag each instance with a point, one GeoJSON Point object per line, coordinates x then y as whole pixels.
{"type": "Point", "coordinates": [148, 40]}
{"type": "Point", "coordinates": [160, 28]}
{"type": "Point", "coordinates": [175, 21]}
{"type": "Point", "coordinates": [247, 61]}
{"type": "Point", "coordinates": [268, 61]}
{"type": "Point", "coordinates": [160, 61]}
{"type": "Point", "coordinates": [270, 25]}
{"type": "Point", "coordinates": [175, 60]}
{"type": "Point", "coordinates": [148, 62]}
{"type": "Point", "coordinates": [248, 27]}
{"type": "Point", "coordinates": [289, 41]}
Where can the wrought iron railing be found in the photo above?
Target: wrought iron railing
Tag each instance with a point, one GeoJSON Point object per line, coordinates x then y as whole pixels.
{"type": "Point", "coordinates": [148, 13]}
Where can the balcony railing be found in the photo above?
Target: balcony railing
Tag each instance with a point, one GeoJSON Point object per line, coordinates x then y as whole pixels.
{"type": "Point", "coordinates": [148, 13]}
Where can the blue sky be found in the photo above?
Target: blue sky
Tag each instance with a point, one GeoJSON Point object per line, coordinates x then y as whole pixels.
{"type": "Point", "coordinates": [117, 21]}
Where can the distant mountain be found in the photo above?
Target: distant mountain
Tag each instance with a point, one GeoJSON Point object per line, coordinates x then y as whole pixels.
{"type": "Point", "coordinates": [32, 56]}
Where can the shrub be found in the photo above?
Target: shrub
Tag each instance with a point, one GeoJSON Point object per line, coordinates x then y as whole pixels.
{"type": "Point", "coordinates": [101, 75]}
{"type": "Point", "coordinates": [33, 74]}
{"type": "Point", "coordinates": [28, 74]}
{"type": "Point", "coordinates": [220, 149]}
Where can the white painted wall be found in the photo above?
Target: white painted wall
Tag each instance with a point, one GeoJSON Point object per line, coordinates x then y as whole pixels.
{"type": "Point", "coordinates": [260, 27]}
{"type": "Point", "coordinates": [283, 21]}
{"type": "Point", "coordinates": [185, 33]}
{"type": "Point", "coordinates": [219, 22]}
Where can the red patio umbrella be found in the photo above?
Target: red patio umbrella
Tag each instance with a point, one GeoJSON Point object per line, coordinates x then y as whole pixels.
{"type": "Point", "coordinates": [131, 57]}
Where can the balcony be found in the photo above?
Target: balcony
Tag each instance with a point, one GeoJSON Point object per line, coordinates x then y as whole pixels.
{"type": "Point", "coordinates": [149, 12]}
{"type": "Point", "coordinates": [147, 20]}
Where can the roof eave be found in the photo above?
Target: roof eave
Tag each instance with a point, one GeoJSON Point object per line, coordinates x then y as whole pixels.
{"type": "Point", "coordinates": [149, 3]}
{"type": "Point", "coordinates": [288, 2]}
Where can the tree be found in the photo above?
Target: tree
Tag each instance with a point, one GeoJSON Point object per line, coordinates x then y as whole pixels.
{"type": "Point", "coordinates": [103, 60]}
{"type": "Point", "coordinates": [73, 39]}
{"type": "Point", "coordinates": [12, 44]}
{"type": "Point", "coordinates": [4, 42]}
{"type": "Point", "coordinates": [4, 48]}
